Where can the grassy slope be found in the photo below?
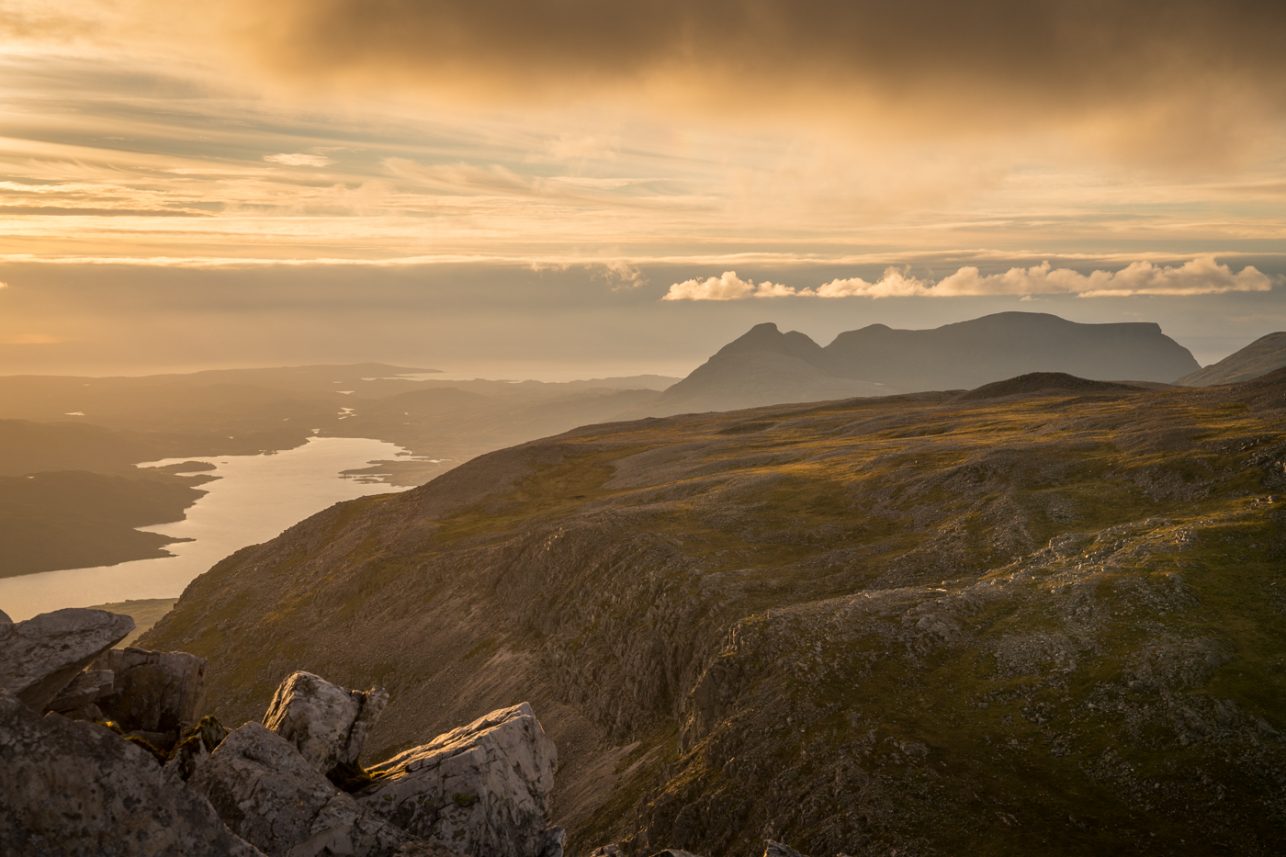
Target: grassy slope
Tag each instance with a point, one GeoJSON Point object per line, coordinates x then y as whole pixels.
{"type": "Point", "coordinates": [1023, 625]}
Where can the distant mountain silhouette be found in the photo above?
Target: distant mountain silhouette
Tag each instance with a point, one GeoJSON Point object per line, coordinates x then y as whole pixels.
{"type": "Point", "coordinates": [762, 367]}
{"type": "Point", "coordinates": [995, 347]}
{"type": "Point", "coordinates": [766, 366]}
{"type": "Point", "coordinates": [1256, 359]}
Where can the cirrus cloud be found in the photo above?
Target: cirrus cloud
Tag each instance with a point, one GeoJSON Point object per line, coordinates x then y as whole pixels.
{"type": "Point", "coordinates": [1202, 275]}
{"type": "Point", "coordinates": [299, 159]}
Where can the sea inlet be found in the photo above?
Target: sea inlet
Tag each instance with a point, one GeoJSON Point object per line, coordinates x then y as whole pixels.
{"type": "Point", "coordinates": [253, 499]}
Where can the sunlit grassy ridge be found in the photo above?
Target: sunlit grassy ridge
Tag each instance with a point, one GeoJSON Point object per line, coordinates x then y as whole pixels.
{"type": "Point", "coordinates": [1031, 624]}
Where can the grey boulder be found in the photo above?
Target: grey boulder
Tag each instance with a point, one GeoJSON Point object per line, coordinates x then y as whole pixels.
{"type": "Point", "coordinates": [82, 694]}
{"type": "Point", "coordinates": [326, 723]}
{"type": "Point", "coordinates": [265, 792]}
{"type": "Point", "coordinates": [79, 789]}
{"type": "Point", "coordinates": [156, 692]}
{"type": "Point", "coordinates": [40, 656]}
{"type": "Point", "coordinates": [482, 789]}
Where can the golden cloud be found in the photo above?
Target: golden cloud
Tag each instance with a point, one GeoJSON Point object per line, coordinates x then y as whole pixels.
{"type": "Point", "coordinates": [1174, 65]}
{"type": "Point", "coordinates": [1200, 276]}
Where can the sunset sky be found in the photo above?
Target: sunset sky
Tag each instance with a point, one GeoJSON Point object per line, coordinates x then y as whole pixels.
{"type": "Point", "coordinates": [559, 188]}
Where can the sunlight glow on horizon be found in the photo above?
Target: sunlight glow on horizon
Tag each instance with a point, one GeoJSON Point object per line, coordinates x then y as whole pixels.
{"type": "Point", "coordinates": [139, 137]}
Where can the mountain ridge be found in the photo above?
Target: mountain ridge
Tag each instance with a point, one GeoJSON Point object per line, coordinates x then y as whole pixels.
{"type": "Point", "coordinates": [1264, 355]}
{"type": "Point", "coordinates": [765, 366]}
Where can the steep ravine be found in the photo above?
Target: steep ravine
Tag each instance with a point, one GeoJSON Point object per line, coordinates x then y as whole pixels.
{"type": "Point", "coordinates": [929, 623]}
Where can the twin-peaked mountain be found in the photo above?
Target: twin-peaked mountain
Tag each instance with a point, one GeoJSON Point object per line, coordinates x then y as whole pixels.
{"type": "Point", "coordinates": [766, 366]}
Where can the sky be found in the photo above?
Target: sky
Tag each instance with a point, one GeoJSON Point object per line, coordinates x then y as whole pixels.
{"type": "Point", "coordinates": [568, 188]}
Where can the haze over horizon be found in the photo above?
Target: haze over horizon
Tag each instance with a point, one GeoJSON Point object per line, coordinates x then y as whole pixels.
{"type": "Point", "coordinates": [572, 189]}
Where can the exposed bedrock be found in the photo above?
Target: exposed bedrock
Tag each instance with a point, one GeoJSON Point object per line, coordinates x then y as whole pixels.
{"type": "Point", "coordinates": [78, 789]}
{"type": "Point", "coordinates": [39, 657]}
{"type": "Point", "coordinates": [154, 691]}
{"type": "Point", "coordinates": [266, 792]}
{"type": "Point", "coordinates": [482, 789]}
{"type": "Point", "coordinates": [79, 699]}
{"type": "Point", "coordinates": [326, 723]}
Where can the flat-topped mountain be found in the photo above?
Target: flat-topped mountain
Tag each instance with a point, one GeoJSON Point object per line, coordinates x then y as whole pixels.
{"type": "Point", "coordinates": [1043, 620]}
{"type": "Point", "coordinates": [766, 366]}
{"type": "Point", "coordinates": [995, 347]}
{"type": "Point", "coordinates": [1260, 357]}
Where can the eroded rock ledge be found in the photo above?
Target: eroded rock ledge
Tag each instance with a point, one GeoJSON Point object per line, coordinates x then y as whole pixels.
{"type": "Point", "coordinates": [124, 761]}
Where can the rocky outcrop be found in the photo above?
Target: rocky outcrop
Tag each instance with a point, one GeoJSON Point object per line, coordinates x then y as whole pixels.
{"type": "Point", "coordinates": [327, 724]}
{"type": "Point", "coordinates": [482, 789]}
{"type": "Point", "coordinates": [156, 692]}
{"type": "Point", "coordinates": [76, 788]}
{"type": "Point", "coordinates": [139, 784]}
{"type": "Point", "coordinates": [79, 699]}
{"type": "Point", "coordinates": [40, 656]}
{"type": "Point", "coordinates": [196, 744]}
{"type": "Point", "coordinates": [268, 794]}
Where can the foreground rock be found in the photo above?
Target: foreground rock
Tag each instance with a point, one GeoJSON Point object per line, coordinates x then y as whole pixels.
{"type": "Point", "coordinates": [155, 692]}
{"type": "Point", "coordinates": [482, 789]}
{"type": "Point", "coordinates": [266, 792]}
{"type": "Point", "coordinates": [326, 723]}
{"type": "Point", "coordinates": [79, 699]}
{"type": "Point", "coordinates": [40, 656]}
{"type": "Point", "coordinates": [194, 746]}
{"type": "Point", "coordinates": [79, 789]}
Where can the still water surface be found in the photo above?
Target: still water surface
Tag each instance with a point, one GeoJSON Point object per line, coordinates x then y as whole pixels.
{"type": "Point", "coordinates": [254, 499]}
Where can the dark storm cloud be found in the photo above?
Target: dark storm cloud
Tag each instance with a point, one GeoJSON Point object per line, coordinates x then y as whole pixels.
{"type": "Point", "coordinates": [1057, 55]}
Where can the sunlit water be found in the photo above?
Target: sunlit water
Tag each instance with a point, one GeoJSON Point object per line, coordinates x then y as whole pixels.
{"type": "Point", "coordinates": [253, 500]}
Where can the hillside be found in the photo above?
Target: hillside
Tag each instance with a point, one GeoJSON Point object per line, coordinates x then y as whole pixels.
{"type": "Point", "coordinates": [1044, 622]}
{"type": "Point", "coordinates": [765, 366]}
{"type": "Point", "coordinates": [1255, 360]}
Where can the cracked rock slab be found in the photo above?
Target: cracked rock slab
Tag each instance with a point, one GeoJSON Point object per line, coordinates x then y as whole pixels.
{"type": "Point", "coordinates": [39, 657]}
{"type": "Point", "coordinates": [328, 724]}
{"type": "Point", "coordinates": [154, 691]}
{"type": "Point", "coordinates": [482, 789]}
{"type": "Point", "coordinates": [79, 789]}
{"type": "Point", "coordinates": [269, 795]}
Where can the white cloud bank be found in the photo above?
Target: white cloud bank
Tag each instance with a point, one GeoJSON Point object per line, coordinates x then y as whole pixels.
{"type": "Point", "coordinates": [1199, 276]}
{"type": "Point", "coordinates": [729, 287]}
